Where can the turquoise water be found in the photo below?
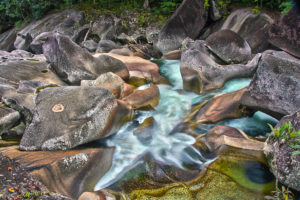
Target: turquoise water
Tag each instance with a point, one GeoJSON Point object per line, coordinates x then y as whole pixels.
{"type": "Point", "coordinates": [174, 105]}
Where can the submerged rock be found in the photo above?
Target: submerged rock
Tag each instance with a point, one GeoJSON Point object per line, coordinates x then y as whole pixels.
{"type": "Point", "coordinates": [65, 117]}
{"type": "Point", "coordinates": [252, 27]}
{"type": "Point", "coordinates": [275, 89]}
{"type": "Point", "coordinates": [66, 172]}
{"type": "Point", "coordinates": [229, 47]}
{"type": "Point", "coordinates": [284, 165]}
{"type": "Point", "coordinates": [187, 21]}
{"type": "Point", "coordinates": [201, 72]}
{"type": "Point", "coordinates": [73, 64]}
{"type": "Point", "coordinates": [285, 32]}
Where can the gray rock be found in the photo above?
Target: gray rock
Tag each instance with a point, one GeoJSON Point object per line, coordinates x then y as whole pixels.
{"type": "Point", "coordinates": [80, 33]}
{"type": "Point", "coordinates": [275, 89]}
{"type": "Point", "coordinates": [109, 81]}
{"type": "Point", "coordinates": [125, 39]}
{"type": "Point", "coordinates": [7, 40]}
{"type": "Point", "coordinates": [65, 117]}
{"type": "Point", "coordinates": [36, 46]}
{"type": "Point", "coordinates": [251, 26]}
{"type": "Point", "coordinates": [285, 33]}
{"type": "Point", "coordinates": [122, 52]}
{"type": "Point", "coordinates": [229, 47]}
{"type": "Point", "coordinates": [90, 45]}
{"type": "Point", "coordinates": [187, 43]}
{"type": "Point", "coordinates": [279, 154]}
{"type": "Point", "coordinates": [23, 41]}
{"type": "Point", "coordinates": [106, 27]}
{"type": "Point", "coordinates": [8, 118]}
{"type": "Point", "coordinates": [105, 46]}
{"type": "Point", "coordinates": [73, 64]}
{"type": "Point", "coordinates": [202, 71]}
{"type": "Point", "coordinates": [152, 35]}
{"type": "Point", "coordinates": [187, 21]}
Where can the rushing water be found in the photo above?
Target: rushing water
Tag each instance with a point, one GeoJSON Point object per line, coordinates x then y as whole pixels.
{"type": "Point", "coordinates": [174, 105]}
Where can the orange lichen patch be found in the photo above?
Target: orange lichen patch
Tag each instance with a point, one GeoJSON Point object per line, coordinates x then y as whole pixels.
{"type": "Point", "coordinates": [9, 168]}
{"type": "Point", "coordinates": [11, 190]}
{"type": "Point", "coordinates": [58, 108]}
{"type": "Point", "coordinates": [16, 188]}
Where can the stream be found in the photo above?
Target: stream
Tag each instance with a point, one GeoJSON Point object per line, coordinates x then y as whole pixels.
{"type": "Point", "coordinates": [174, 105]}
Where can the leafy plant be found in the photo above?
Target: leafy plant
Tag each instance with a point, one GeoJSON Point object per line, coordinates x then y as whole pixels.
{"type": "Point", "coordinates": [291, 133]}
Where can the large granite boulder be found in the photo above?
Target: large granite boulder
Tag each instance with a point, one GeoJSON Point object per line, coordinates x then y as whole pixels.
{"type": "Point", "coordinates": [201, 72]}
{"type": "Point", "coordinates": [65, 172]}
{"type": "Point", "coordinates": [106, 27]}
{"type": "Point", "coordinates": [285, 32]}
{"type": "Point", "coordinates": [66, 117]}
{"type": "Point", "coordinates": [187, 21]}
{"type": "Point", "coordinates": [36, 46]}
{"type": "Point", "coordinates": [65, 22]}
{"type": "Point", "coordinates": [252, 27]}
{"type": "Point", "coordinates": [275, 88]}
{"type": "Point", "coordinates": [73, 64]}
{"type": "Point", "coordinates": [229, 47]}
{"type": "Point", "coordinates": [279, 153]}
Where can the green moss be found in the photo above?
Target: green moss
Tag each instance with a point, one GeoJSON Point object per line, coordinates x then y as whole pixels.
{"type": "Point", "coordinates": [31, 59]}
{"type": "Point", "coordinates": [44, 71]}
{"type": "Point", "coordinates": [44, 87]}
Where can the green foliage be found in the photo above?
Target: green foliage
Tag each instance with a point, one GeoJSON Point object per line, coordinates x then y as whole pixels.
{"type": "Point", "coordinates": [281, 134]}
{"type": "Point", "coordinates": [206, 4]}
{"type": "Point", "coordinates": [282, 194]}
{"type": "Point", "coordinates": [285, 7]}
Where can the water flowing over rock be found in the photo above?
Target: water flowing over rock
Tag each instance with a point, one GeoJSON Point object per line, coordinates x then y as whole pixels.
{"type": "Point", "coordinates": [187, 21]}
{"type": "Point", "coordinates": [219, 108]}
{"type": "Point", "coordinates": [284, 165]}
{"type": "Point", "coordinates": [73, 64]}
{"type": "Point", "coordinates": [275, 89]}
{"type": "Point", "coordinates": [229, 47]}
{"type": "Point", "coordinates": [65, 117]}
{"type": "Point", "coordinates": [66, 172]}
{"type": "Point", "coordinates": [201, 72]}
{"type": "Point", "coordinates": [251, 26]}
{"type": "Point", "coordinates": [285, 32]}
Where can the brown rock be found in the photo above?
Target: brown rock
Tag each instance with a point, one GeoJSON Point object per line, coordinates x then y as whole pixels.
{"type": "Point", "coordinates": [127, 90]}
{"type": "Point", "coordinates": [173, 55]}
{"type": "Point", "coordinates": [66, 172]}
{"type": "Point", "coordinates": [144, 98]}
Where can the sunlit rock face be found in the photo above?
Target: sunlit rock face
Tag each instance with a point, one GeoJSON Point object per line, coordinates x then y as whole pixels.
{"type": "Point", "coordinates": [65, 117]}
{"type": "Point", "coordinates": [284, 165]}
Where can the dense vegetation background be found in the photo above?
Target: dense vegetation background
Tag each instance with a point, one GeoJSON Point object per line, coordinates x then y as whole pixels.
{"type": "Point", "coordinates": [20, 12]}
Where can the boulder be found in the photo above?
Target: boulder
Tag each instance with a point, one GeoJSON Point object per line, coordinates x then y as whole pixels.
{"type": "Point", "coordinates": [64, 22]}
{"type": "Point", "coordinates": [105, 46]}
{"type": "Point", "coordinates": [36, 46]}
{"type": "Point", "coordinates": [109, 81]}
{"type": "Point", "coordinates": [106, 27]}
{"type": "Point", "coordinates": [127, 90]}
{"type": "Point", "coordinates": [7, 40]}
{"type": "Point", "coordinates": [219, 108]}
{"type": "Point", "coordinates": [187, 21]}
{"type": "Point", "coordinates": [90, 45]}
{"type": "Point", "coordinates": [285, 32]}
{"type": "Point", "coordinates": [66, 172]}
{"type": "Point", "coordinates": [144, 99]}
{"type": "Point", "coordinates": [229, 47]}
{"type": "Point", "coordinates": [278, 151]}
{"type": "Point", "coordinates": [173, 55]}
{"type": "Point", "coordinates": [152, 34]}
{"type": "Point", "coordinates": [73, 64]}
{"type": "Point", "coordinates": [8, 118]}
{"type": "Point", "coordinates": [122, 52]}
{"type": "Point", "coordinates": [66, 117]}
{"type": "Point", "coordinates": [140, 69]}
{"type": "Point", "coordinates": [201, 72]}
{"type": "Point", "coordinates": [252, 27]}
{"type": "Point", "coordinates": [275, 88]}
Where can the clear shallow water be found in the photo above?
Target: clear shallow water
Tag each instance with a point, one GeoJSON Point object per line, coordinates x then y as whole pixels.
{"type": "Point", "coordinates": [174, 105]}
